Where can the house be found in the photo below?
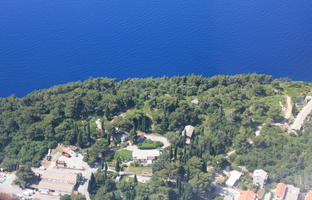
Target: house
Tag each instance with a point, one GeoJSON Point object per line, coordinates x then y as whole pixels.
{"type": "Point", "coordinates": [259, 177]}
{"type": "Point", "coordinates": [308, 196]}
{"type": "Point", "coordinates": [188, 133]}
{"type": "Point", "coordinates": [122, 135]}
{"type": "Point", "coordinates": [146, 157]}
{"type": "Point", "coordinates": [247, 195]}
{"type": "Point", "coordinates": [260, 194]}
{"type": "Point", "coordinates": [4, 196]}
{"type": "Point", "coordinates": [99, 124]}
{"type": "Point", "coordinates": [140, 136]}
{"type": "Point", "coordinates": [234, 177]}
{"type": "Point", "coordinates": [195, 101]}
{"type": "Point", "coordinates": [267, 196]}
{"type": "Point", "coordinates": [55, 181]}
{"type": "Point", "coordinates": [292, 193]}
{"type": "Point", "coordinates": [73, 148]}
{"type": "Point", "coordinates": [280, 191]}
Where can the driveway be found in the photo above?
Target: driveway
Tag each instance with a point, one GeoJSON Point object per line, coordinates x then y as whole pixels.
{"type": "Point", "coordinates": [162, 139]}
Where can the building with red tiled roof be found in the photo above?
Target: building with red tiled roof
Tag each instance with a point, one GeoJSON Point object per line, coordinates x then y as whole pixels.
{"type": "Point", "coordinates": [247, 195]}
{"type": "Point", "coordinates": [139, 133]}
{"type": "Point", "coordinates": [280, 191]}
{"type": "Point", "coordinates": [308, 196]}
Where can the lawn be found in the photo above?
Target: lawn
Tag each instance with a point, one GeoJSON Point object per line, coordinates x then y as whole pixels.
{"type": "Point", "coordinates": [149, 144]}
{"type": "Point", "coordinates": [123, 154]}
{"type": "Point", "coordinates": [140, 170]}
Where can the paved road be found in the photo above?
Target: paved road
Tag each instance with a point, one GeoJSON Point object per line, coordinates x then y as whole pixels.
{"type": "Point", "coordinates": [301, 117]}
{"type": "Point", "coordinates": [9, 187]}
{"type": "Point", "coordinates": [158, 138]}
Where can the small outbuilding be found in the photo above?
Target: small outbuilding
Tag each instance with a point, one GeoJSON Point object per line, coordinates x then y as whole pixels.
{"type": "Point", "coordinates": [233, 179]}
{"type": "Point", "coordinates": [292, 193]}
{"type": "Point", "coordinates": [188, 133]}
{"type": "Point", "coordinates": [260, 177]}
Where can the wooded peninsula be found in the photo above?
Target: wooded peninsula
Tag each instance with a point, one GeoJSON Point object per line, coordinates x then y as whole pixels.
{"type": "Point", "coordinates": [211, 125]}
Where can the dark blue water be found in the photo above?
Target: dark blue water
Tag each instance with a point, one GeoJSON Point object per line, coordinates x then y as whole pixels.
{"type": "Point", "coordinates": [48, 42]}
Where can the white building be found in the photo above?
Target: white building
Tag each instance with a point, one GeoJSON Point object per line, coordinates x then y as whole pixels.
{"type": "Point", "coordinates": [259, 177]}
{"type": "Point", "coordinates": [292, 193]}
{"type": "Point", "coordinates": [56, 181]}
{"type": "Point", "coordinates": [188, 133]}
{"type": "Point", "coordinates": [267, 196]}
{"type": "Point", "coordinates": [146, 156]}
{"type": "Point", "coordinates": [234, 177]}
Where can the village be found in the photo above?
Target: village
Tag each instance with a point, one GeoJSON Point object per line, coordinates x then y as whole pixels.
{"type": "Point", "coordinates": [63, 170]}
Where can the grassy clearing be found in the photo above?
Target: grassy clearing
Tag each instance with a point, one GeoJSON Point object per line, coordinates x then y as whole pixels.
{"type": "Point", "coordinates": [123, 154]}
{"type": "Point", "coordinates": [149, 144]}
{"type": "Point", "coordinates": [295, 89]}
{"type": "Point", "coordinates": [139, 170]}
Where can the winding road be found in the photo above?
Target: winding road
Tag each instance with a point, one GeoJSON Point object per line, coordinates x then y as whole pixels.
{"type": "Point", "coordinates": [301, 117]}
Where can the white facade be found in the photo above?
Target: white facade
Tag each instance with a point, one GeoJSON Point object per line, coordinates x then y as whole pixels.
{"type": "Point", "coordinates": [259, 177]}
{"type": "Point", "coordinates": [292, 193]}
{"type": "Point", "coordinates": [234, 177]}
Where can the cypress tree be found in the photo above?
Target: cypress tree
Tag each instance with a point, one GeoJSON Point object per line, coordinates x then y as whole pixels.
{"type": "Point", "coordinates": [103, 128]}
{"type": "Point", "coordinates": [117, 166]}
{"type": "Point", "coordinates": [179, 186]}
{"type": "Point", "coordinates": [88, 133]}
{"type": "Point", "coordinates": [92, 184]}
{"type": "Point", "coordinates": [80, 139]}
{"type": "Point", "coordinates": [109, 138]}
{"type": "Point", "coordinates": [175, 152]}
{"type": "Point", "coordinates": [135, 179]}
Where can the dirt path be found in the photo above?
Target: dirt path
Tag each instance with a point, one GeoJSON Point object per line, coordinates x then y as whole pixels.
{"type": "Point", "coordinates": [289, 108]}
{"type": "Point", "coordinates": [230, 153]}
{"type": "Point", "coordinates": [301, 117]}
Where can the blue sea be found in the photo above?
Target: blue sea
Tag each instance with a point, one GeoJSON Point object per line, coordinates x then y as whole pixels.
{"type": "Point", "coordinates": [49, 42]}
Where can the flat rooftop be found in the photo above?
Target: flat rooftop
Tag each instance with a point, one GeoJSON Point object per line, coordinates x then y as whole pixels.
{"type": "Point", "coordinates": [144, 154]}
{"type": "Point", "coordinates": [57, 175]}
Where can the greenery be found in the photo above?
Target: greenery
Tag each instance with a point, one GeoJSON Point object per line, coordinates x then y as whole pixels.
{"type": "Point", "coordinates": [25, 177]}
{"type": "Point", "coordinates": [149, 144]}
{"type": "Point", "coordinates": [123, 155]}
{"type": "Point", "coordinates": [228, 112]}
{"type": "Point", "coordinates": [73, 197]}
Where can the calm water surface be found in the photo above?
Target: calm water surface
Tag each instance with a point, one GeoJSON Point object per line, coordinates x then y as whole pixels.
{"type": "Point", "coordinates": [48, 42]}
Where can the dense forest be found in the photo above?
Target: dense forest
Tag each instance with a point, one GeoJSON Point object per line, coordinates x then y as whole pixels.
{"type": "Point", "coordinates": [226, 114]}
